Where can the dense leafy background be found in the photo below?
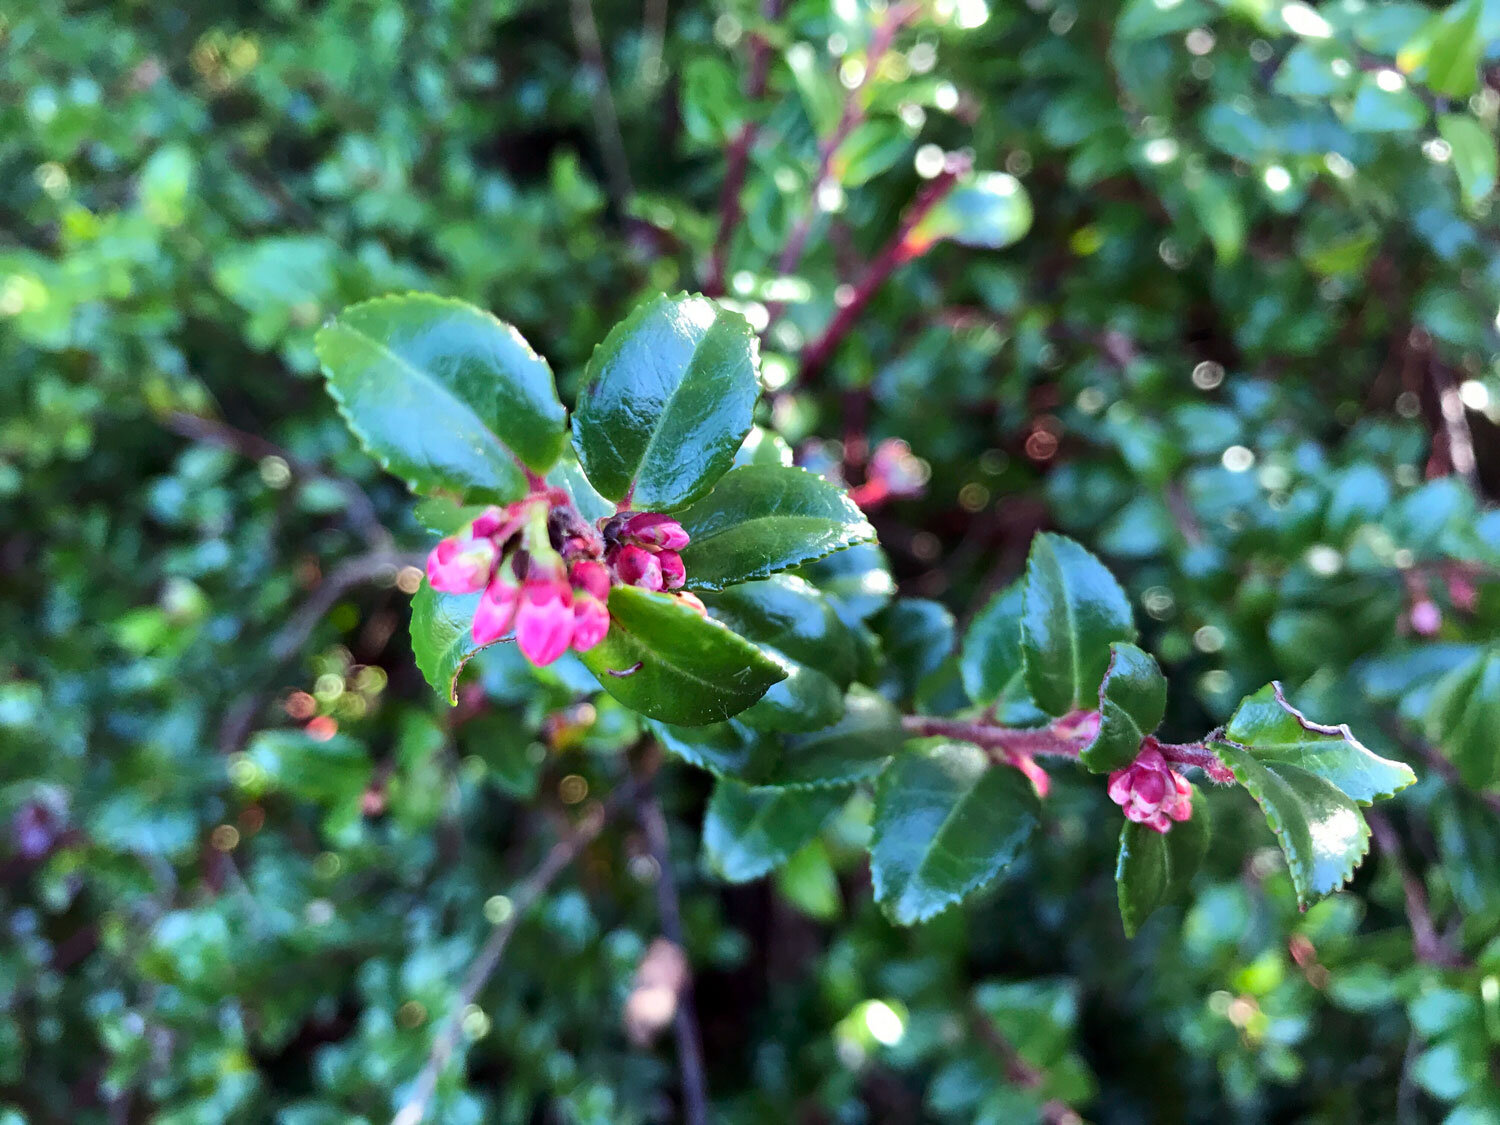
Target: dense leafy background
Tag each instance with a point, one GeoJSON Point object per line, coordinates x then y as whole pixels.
{"type": "Point", "coordinates": [1246, 352]}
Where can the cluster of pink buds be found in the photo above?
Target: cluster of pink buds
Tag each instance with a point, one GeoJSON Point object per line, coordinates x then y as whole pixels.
{"type": "Point", "coordinates": [1151, 792]}
{"type": "Point", "coordinates": [546, 574]}
{"type": "Point", "coordinates": [641, 550]}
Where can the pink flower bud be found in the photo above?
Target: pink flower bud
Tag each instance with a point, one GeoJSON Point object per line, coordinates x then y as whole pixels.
{"type": "Point", "coordinates": [590, 576]}
{"type": "Point", "coordinates": [655, 530]}
{"type": "Point", "coordinates": [672, 574]}
{"type": "Point", "coordinates": [1426, 618]}
{"type": "Point", "coordinates": [1151, 792]}
{"type": "Point", "coordinates": [497, 608]}
{"type": "Point", "coordinates": [488, 522]}
{"type": "Point", "coordinates": [461, 565]}
{"type": "Point", "coordinates": [590, 621]}
{"type": "Point", "coordinates": [637, 566]}
{"type": "Point", "coordinates": [544, 619]}
{"type": "Point", "coordinates": [893, 464]}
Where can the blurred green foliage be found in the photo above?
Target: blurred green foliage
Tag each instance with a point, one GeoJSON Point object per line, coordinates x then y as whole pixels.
{"type": "Point", "coordinates": [1247, 352]}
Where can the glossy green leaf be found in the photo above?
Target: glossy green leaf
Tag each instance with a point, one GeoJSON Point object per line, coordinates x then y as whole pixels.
{"type": "Point", "coordinates": [946, 823]}
{"type": "Point", "coordinates": [748, 832]}
{"type": "Point", "coordinates": [663, 659]}
{"type": "Point", "coordinates": [1320, 830]}
{"type": "Point", "coordinates": [990, 211]}
{"type": "Point", "coordinates": [791, 615]}
{"type": "Point", "coordinates": [667, 403]}
{"type": "Point", "coordinates": [855, 748]}
{"type": "Point", "coordinates": [763, 519]}
{"type": "Point", "coordinates": [443, 395]}
{"type": "Point", "coordinates": [1072, 609]}
{"type": "Point", "coordinates": [1273, 730]}
{"type": "Point", "coordinates": [991, 653]}
{"type": "Point", "coordinates": [1476, 161]}
{"type": "Point", "coordinates": [1155, 868]}
{"type": "Point", "coordinates": [856, 581]}
{"type": "Point", "coordinates": [1463, 718]}
{"type": "Point", "coordinates": [805, 700]}
{"type": "Point", "coordinates": [728, 749]}
{"type": "Point", "coordinates": [1132, 701]}
{"type": "Point", "coordinates": [441, 639]}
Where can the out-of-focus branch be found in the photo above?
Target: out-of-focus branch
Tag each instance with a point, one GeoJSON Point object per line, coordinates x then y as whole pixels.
{"type": "Point", "coordinates": [685, 1018]}
{"type": "Point", "coordinates": [358, 507]}
{"type": "Point", "coordinates": [606, 120]}
{"type": "Point", "coordinates": [737, 158]}
{"type": "Point", "coordinates": [557, 860]}
{"type": "Point", "coordinates": [1017, 1070]}
{"type": "Point", "coordinates": [1426, 943]}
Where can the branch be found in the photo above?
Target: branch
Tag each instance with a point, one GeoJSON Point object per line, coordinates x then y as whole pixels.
{"type": "Point", "coordinates": [896, 252]}
{"type": "Point", "coordinates": [1054, 1111]}
{"type": "Point", "coordinates": [484, 965]}
{"type": "Point", "coordinates": [1065, 738]}
{"type": "Point", "coordinates": [1426, 943]}
{"type": "Point", "coordinates": [289, 640]}
{"type": "Point", "coordinates": [357, 504]}
{"type": "Point", "coordinates": [850, 116]}
{"type": "Point", "coordinates": [606, 120]}
{"type": "Point", "coordinates": [685, 1018]}
{"type": "Point", "coordinates": [737, 158]}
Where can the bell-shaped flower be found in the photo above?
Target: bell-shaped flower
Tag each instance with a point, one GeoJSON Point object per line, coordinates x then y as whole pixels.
{"type": "Point", "coordinates": [651, 529]}
{"type": "Point", "coordinates": [636, 566]}
{"type": "Point", "coordinates": [1151, 792]}
{"type": "Point", "coordinates": [461, 564]}
{"type": "Point", "coordinates": [497, 608]}
{"type": "Point", "coordinates": [544, 618]}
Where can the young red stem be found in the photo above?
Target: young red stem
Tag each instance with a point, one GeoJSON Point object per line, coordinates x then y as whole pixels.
{"type": "Point", "coordinates": [1065, 738]}
{"type": "Point", "coordinates": [895, 252]}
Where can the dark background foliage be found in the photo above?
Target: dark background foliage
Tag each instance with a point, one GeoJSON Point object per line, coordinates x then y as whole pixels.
{"type": "Point", "coordinates": [1247, 353]}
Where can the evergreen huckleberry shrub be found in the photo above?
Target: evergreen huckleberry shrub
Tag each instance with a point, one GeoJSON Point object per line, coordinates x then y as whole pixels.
{"type": "Point", "coordinates": [907, 576]}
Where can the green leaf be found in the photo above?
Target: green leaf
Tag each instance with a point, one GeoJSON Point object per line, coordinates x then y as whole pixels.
{"type": "Point", "coordinates": [1132, 701]}
{"type": "Point", "coordinates": [1450, 48]}
{"type": "Point", "coordinates": [1320, 830]}
{"type": "Point", "coordinates": [1463, 715]}
{"type": "Point", "coordinates": [857, 581]}
{"type": "Point", "coordinates": [762, 519]}
{"type": "Point", "coordinates": [1072, 609]}
{"type": "Point", "coordinates": [855, 748]}
{"type": "Point", "coordinates": [946, 823]}
{"type": "Point", "coordinates": [1220, 214]}
{"type": "Point", "coordinates": [669, 399]}
{"type": "Point", "coordinates": [747, 832]}
{"type": "Point", "coordinates": [1147, 19]}
{"type": "Point", "coordinates": [441, 639]}
{"type": "Point", "coordinates": [805, 700]}
{"type": "Point", "coordinates": [1272, 729]}
{"type": "Point", "coordinates": [1377, 110]}
{"type": "Point", "coordinates": [1475, 160]}
{"type": "Point", "coordinates": [991, 652]}
{"type": "Point", "coordinates": [443, 395]}
{"type": "Point", "coordinates": [990, 211]}
{"type": "Point", "coordinates": [1155, 868]}
{"type": "Point", "coordinates": [790, 615]}
{"type": "Point", "coordinates": [663, 659]}
{"type": "Point", "coordinates": [729, 749]}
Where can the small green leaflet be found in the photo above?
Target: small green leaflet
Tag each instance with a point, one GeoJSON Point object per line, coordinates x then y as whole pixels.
{"type": "Point", "coordinates": [1155, 868]}
{"type": "Point", "coordinates": [1132, 701]}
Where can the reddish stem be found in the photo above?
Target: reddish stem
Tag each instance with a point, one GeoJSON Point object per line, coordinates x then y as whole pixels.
{"type": "Point", "coordinates": [1065, 738]}
{"type": "Point", "coordinates": [898, 250]}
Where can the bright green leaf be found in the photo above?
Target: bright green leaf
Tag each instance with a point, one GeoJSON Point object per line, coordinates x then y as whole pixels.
{"type": "Point", "coordinates": [441, 639]}
{"type": "Point", "coordinates": [947, 821]}
{"type": "Point", "coordinates": [990, 212]}
{"type": "Point", "coordinates": [1273, 730]}
{"type": "Point", "coordinates": [1475, 158]}
{"type": "Point", "coordinates": [443, 395]}
{"type": "Point", "coordinates": [761, 519]}
{"type": "Point", "coordinates": [667, 403]}
{"type": "Point", "coordinates": [1463, 716]}
{"type": "Point", "coordinates": [1072, 609]}
{"type": "Point", "coordinates": [663, 659]}
{"type": "Point", "coordinates": [1320, 830]}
